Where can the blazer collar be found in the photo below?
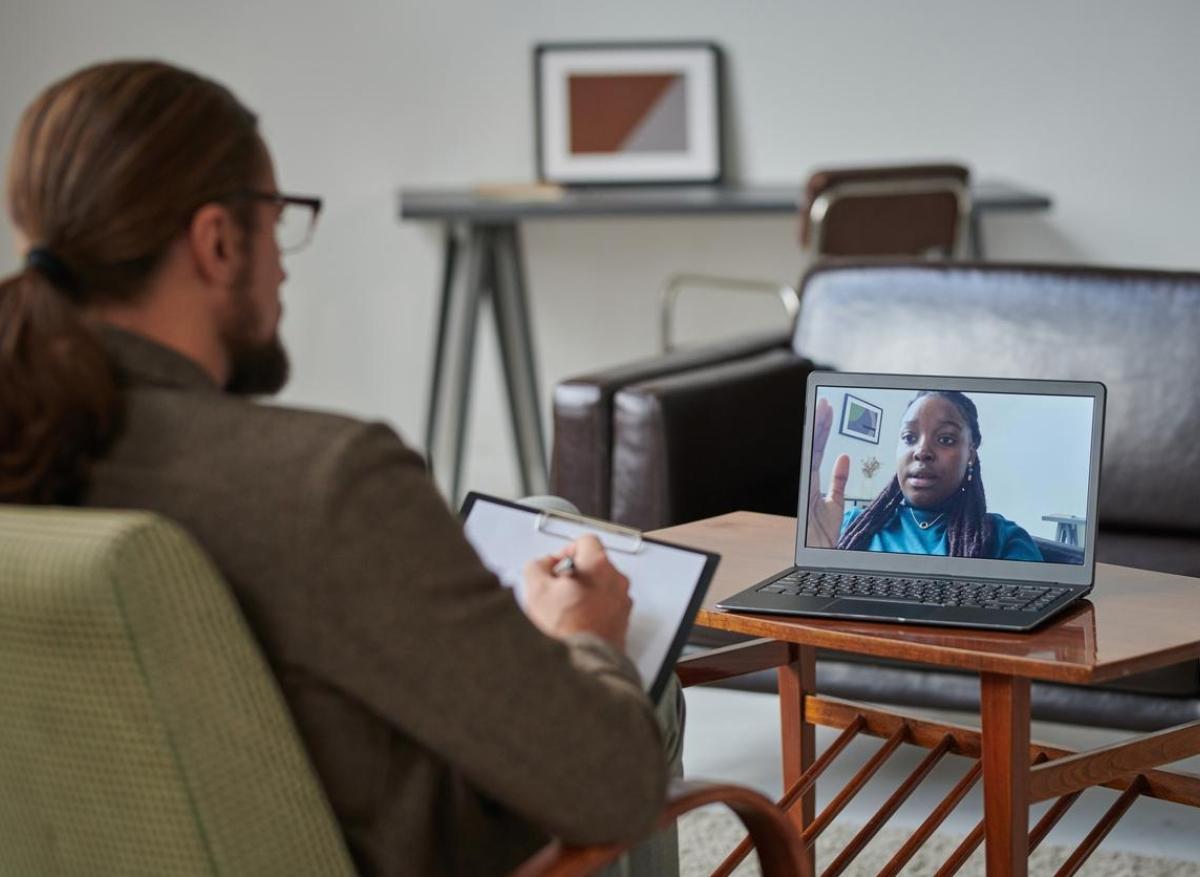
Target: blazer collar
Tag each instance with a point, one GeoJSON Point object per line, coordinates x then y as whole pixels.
{"type": "Point", "coordinates": [142, 361]}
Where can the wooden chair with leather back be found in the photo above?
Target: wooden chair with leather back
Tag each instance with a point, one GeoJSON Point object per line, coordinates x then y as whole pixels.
{"type": "Point", "coordinates": [918, 210]}
{"type": "Point", "coordinates": [899, 210]}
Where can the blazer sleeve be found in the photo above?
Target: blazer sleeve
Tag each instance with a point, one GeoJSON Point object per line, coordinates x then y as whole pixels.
{"type": "Point", "coordinates": [415, 627]}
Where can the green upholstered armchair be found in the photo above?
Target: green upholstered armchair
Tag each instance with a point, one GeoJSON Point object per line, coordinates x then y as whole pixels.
{"type": "Point", "coordinates": [142, 732]}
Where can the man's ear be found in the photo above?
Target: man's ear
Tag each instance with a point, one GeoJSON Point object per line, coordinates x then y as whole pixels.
{"type": "Point", "coordinates": [214, 240]}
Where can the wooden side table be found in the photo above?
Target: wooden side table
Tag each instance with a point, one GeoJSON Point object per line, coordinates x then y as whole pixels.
{"type": "Point", "coordinates": [1134, 620]}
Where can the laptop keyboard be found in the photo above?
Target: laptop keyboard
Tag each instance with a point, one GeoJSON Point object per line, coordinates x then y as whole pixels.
{"type": "Point", "coordinates": [928, 592]}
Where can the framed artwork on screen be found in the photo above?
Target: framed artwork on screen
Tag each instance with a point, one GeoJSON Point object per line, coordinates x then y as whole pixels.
{"type": "Point", "coordinates": [628, 112]}
{"type": "Point", "coordinates": [861, 419]}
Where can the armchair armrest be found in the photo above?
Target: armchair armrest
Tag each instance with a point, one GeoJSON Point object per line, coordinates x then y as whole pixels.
{"type": "Point", "coordinates": [709, 441]}
{"type": "Point", "coordinates": [773, 834]}
{"type": "Point", "coordinates": [581, 461]}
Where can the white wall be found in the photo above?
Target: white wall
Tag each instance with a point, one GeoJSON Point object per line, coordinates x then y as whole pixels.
{"type": "Point", "coordinates": [1092, 101]}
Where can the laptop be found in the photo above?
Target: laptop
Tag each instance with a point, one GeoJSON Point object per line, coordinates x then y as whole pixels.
{"type": "Point", "coordinates": [967, 502]}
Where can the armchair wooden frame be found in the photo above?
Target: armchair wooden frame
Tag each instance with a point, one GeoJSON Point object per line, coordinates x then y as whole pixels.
{"type": "Point", "coordinates": [780, 850]}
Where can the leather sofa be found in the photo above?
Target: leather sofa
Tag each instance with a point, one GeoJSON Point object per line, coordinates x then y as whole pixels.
{"type": "Point", "coordinates": [706, 431]}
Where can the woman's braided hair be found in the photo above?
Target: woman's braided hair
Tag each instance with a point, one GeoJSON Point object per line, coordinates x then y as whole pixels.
{"type": "Point", "coordinates": [969, 531]}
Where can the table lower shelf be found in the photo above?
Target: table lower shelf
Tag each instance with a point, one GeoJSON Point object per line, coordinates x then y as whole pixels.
{"type": "Point", "coordinates": [1054, 773]}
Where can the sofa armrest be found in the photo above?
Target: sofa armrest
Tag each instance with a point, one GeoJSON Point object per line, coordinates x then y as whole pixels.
{"type": "Point", "coordinates": [581, 461]}
{"type": "Point", "coordinates": [714, 440]}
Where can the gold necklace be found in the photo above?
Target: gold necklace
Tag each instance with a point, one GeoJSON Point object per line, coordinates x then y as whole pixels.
{"type": "Point", "coordinates": [924, 525]}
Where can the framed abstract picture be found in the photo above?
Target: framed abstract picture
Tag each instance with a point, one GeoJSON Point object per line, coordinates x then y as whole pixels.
{"type": "Point", "coordinates": [628, 112]}
{"type": "Point", "coordinates": [860, 419]}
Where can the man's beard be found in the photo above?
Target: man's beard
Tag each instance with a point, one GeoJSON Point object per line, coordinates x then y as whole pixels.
{"type": "Point", "coordinates": [257, 368]}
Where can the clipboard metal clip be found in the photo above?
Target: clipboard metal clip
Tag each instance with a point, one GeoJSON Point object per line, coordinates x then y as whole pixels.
{"type": "Point", "coordinates": [546, 519]}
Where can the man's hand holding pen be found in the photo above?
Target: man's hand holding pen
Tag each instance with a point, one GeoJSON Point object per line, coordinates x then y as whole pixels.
{"type": "Point", "coordinates": [578, 591]}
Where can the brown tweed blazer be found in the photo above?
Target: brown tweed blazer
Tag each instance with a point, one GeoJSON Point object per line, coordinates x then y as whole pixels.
{"type": "Point", "coordinates": [451, 736]}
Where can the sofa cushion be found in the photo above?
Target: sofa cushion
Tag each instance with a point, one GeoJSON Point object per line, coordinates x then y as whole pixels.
{"type": "Point", "coordinates": [1134, 331]}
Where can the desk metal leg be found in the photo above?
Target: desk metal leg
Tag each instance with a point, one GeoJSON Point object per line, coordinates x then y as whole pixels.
{"type": "Point", "coordinates": [1004, 705]}
{"type": "Point", "coordinates": [489, 262]}
{"type": "Point", "coordinates": [516, 350]}
{"type": "Point", "coordinates": [449, 263]}
{"type": "Point", "coordinates": [797, 680]}
{"type": "Point", "coordinates": [464, 278]}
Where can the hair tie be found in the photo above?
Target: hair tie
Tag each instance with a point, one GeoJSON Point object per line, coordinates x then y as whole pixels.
{"type": "Point", "coordinates": [53, 269]}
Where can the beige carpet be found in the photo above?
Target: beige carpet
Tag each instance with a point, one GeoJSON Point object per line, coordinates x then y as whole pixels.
{"type": "Point", "coordinates": [706, 837]}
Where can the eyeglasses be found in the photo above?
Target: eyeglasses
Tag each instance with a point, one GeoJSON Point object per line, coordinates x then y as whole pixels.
{"type": "Point", "coordinates": [296, 221]}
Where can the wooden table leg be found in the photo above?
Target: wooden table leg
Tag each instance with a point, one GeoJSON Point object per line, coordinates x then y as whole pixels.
{"type": "Point", "coordinates": [1004, 712]}
{"type": "Point", "coordinates": [798, 678]}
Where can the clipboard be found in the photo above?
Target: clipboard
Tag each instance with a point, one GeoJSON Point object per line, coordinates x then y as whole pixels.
{"type": "Point", "coordinates": [666, 582]}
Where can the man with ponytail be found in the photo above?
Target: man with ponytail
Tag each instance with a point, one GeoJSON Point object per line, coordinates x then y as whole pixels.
{"type": "Point", "coordinates": [452, 733]}
{"type": "Point", "coordinates": [934, 505]}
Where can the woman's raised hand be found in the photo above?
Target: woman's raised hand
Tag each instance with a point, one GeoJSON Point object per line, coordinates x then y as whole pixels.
{"type": "Point", "coordinates": [825, 511]}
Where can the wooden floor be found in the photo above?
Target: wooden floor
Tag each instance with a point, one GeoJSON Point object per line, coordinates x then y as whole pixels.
{"type": "Point", "coordinates": [734, 735]}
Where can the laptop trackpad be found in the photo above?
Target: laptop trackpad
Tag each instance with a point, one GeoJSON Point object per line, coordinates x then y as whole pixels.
{"type": "Point", "coordinates": [880, 609]}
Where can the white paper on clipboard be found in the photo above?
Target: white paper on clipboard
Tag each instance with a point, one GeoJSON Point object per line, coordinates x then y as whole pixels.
{"type": "Point", "coordinates": [667, 583]}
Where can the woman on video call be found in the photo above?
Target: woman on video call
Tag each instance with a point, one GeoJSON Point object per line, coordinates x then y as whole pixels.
{"type": "Point", "coordinates": [934, 505]}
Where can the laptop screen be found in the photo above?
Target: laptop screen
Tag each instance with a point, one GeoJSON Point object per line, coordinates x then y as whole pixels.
{"type": "Point", "coordinates": [940, 471]}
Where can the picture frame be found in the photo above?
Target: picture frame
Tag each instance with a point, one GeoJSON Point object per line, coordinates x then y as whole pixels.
{"type": "Point", "coordinates": [616, 113]}
{"type": "Point", "coordinates": [860, 419]}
